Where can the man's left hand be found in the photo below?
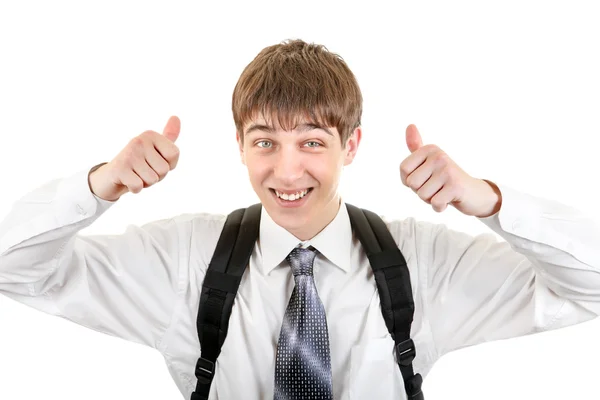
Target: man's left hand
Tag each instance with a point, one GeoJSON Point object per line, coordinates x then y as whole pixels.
{"type": "Point", "coordinates": [439, 181]}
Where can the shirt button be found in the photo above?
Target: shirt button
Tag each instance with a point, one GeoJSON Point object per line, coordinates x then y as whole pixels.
{"type": "Point", "coordinates": [516, 225]}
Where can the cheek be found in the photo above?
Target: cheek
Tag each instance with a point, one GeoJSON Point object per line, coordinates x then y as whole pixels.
{"type": "Point", "coordinates": [326, 170]}
{"type": "Point", "coordinates": [257, 169]}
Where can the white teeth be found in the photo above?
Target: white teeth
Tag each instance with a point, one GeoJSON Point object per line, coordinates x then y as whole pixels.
{"type": "Point", "coordinates": [292, 197]}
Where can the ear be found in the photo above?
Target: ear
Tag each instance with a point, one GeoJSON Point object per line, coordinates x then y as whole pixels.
{"type": "Point", "coordinates": [352, 146]}
{"type": "Point", "coordinates": [241, 147]}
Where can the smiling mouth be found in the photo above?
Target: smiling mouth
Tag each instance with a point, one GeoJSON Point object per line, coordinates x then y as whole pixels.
{"type": "Point", "coordinates": [310, 189]}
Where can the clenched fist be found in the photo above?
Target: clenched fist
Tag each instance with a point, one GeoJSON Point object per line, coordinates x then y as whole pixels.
{"type": "Point", "coordinates": [145, 160]}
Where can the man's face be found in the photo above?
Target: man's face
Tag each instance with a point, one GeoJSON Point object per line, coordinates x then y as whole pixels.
{"type": "Point", "coordinates": [307, 158]}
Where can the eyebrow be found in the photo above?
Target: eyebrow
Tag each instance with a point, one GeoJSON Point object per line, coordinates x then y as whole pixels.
{"type": "Point", "coordinates": [302, 128]}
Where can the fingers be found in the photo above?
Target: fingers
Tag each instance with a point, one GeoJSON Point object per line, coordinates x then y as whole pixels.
{"type": "Point", "coordinates": [157, 163]}
{"type": "Point", "coordinates": [430, 180]}
{"type": "Point", "coordinates": [146, 160]}
{"type": "Point", "coordinates": [146, 173]}
{"type": "Point", "coordinates": [430, 173]}
{"type": "Point", "coordinates": [439, 202]}
{"type": "Point", "coordinates": [432, 185]}
{"type": "Point", "coordinates": [419, 176]}
{"type": "Point", "coordinates": [131, 180]}
{"type": "Point", "coordinates": [418, 158]}
{"type": "Point", "coordinates": [166, 149]}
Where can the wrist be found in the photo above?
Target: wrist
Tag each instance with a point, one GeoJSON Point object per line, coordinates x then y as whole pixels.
{"type": "Point", "coordinates": [94, 168]}
{"type": "Point", "coordinates": [97, 183]}
{"type": "Point", "coordinates": [495, 199]}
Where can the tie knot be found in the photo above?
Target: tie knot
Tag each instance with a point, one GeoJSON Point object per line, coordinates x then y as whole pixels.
{"type": "Point", "coordinates": [301, 260]}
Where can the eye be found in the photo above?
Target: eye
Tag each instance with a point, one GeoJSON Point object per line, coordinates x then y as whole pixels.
{"type": "Point", "coordinates": [263, 141]}
{"type": "Point", "coordinates": [316, 143]}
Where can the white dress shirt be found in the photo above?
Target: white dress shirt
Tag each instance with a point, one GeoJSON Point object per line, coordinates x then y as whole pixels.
{"type": "Point", "coordinates": [144, 285]}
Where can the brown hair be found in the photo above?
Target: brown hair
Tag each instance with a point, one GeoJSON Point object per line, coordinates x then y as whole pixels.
{"type": "Point", "coordinates": [295, 80]}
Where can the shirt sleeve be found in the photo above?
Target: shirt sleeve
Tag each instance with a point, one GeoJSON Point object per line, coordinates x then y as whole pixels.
{"type": "Point", "coordinates": [123, 285]}
{"type": "Point", "coordinates": [544, 275]}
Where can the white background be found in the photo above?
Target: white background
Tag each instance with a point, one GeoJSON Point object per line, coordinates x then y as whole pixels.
{"type": "Point", "coordinates": [509, 91]}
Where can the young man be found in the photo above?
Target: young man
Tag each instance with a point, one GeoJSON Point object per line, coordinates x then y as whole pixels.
{"type": "Point", "coordinates": [307, 320]}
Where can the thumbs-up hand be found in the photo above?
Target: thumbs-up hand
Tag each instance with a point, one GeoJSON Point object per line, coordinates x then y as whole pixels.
{"type": "Point", "coordinates": [439, 181]}
{"type": "Point", "coordinates": [144, 161]}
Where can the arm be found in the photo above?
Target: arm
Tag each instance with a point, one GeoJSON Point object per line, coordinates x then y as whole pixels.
{"type": "Point", "coordinates": [544, 276]}
{"type": "Point", "coordinates": [123, 285]}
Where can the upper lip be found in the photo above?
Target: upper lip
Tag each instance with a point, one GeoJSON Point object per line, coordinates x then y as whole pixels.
{"type": "Point", "coordinates": [290, 191]}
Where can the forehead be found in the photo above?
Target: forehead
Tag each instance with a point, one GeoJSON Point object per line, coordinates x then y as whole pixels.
{"type": "Point", "coordinates": [296, 122]}
{"type": "Point", "coordinates": [274, 121]}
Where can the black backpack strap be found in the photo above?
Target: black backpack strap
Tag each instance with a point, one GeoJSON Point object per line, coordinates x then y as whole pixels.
{"type": "Point", "coordinates": [393, 283]}
{"type": "Point", "coordinates": [219, 289]}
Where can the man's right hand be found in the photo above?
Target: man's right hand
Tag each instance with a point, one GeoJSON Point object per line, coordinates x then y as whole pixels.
{"type": "Point", "coordinates": [145, 160]}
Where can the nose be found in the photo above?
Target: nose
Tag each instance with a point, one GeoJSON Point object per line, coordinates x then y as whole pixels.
{"type": "Point", "coordinates": [289, 166]}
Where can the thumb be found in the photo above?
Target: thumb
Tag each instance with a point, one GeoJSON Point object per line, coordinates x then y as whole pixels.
{"type": "Point", "coordinates": [413, 138]}
{"type": "Point", "coordinates": [172, 128]}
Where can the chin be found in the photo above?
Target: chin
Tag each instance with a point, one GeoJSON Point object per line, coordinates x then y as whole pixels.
{"type": "Point", "coordinates": [293, 225]}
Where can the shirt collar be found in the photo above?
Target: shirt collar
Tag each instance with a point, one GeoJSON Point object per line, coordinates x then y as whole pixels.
{"type": "Point", "coordinates": [334, 241]}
